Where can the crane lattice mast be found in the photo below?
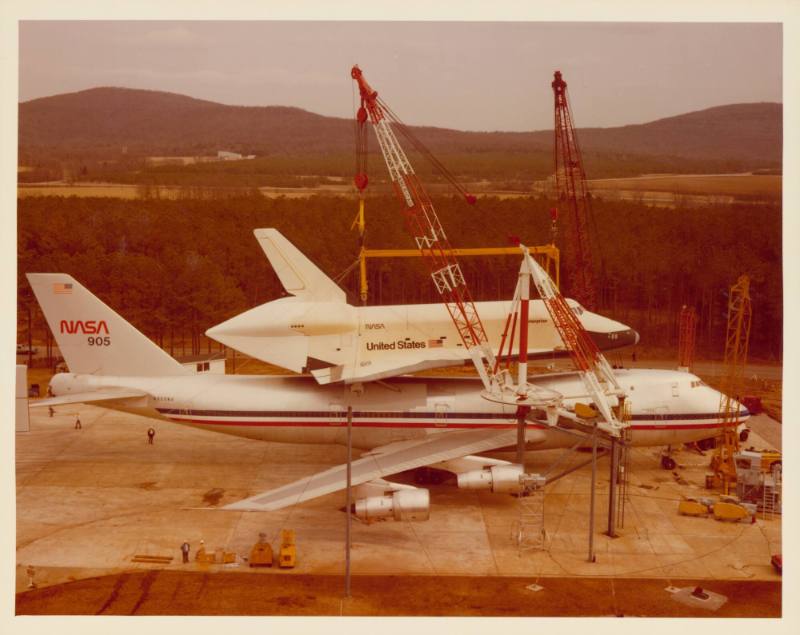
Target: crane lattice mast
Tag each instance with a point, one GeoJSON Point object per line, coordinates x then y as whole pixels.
{"type": "Point", "coordinates": [687, 330]}
{"type": "Point", "coordinates": [572, 192]}
{"type": "Point", "coordinates": [592, 365]}
{"type": "Point", "coordinates": [737, 339]}
{"type": "Point", "coordinates": [423, 224]}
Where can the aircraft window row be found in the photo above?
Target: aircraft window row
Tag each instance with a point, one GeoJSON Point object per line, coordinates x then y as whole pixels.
{"type": "Point", "coordinates": [697, 383]}
{"type": "Point", "coordinates": [578, 309]}
{"type": "Point", "coordinates": [665, 417]}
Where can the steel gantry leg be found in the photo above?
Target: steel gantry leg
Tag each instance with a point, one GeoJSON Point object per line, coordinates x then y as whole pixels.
{"type": "Point", "coordinates": [521, 421]}
{"type": "Point", "coordinates": [347, 507]}
{"type": "Point", "coordinates": [591, 499]}
{"type": "Point", "coordinates": [612, 489]}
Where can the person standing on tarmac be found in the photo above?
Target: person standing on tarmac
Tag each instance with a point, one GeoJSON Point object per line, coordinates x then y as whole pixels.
{"type": "Point", "coordinates": [77, 423]}
{"type": "Point", "coordinates": [150, 434]}
{"type": "Point", "coordinates": [185, 551]}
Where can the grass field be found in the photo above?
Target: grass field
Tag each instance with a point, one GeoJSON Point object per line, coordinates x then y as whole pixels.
{"type": "Point", "coordinates": [99, 191]}
{"type": "Point", "coordinates": [743, 185]}
{"type": "Point", "coordinates": [702, 184]}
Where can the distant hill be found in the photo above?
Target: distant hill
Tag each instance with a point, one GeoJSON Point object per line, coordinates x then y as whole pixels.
{"type": "Point", "coordinates": [96, 124]}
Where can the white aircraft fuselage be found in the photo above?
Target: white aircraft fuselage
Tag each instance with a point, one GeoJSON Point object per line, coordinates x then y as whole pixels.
{"type": "Point", "coordinates": [401, 423]}
{"type": "Point", "coordinates": [667, 407]}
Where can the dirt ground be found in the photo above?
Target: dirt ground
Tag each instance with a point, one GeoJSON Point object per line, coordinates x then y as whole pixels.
{"type": "Point", "coordinates": [158, 592]}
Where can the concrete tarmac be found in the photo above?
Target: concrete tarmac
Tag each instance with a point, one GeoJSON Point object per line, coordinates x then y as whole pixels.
{"type": "Point", "coordinates": [90, 501]}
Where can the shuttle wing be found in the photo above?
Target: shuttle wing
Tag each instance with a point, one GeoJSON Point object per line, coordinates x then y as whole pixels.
{"type": "Point", "coordinates": [389, 459]}
{"type": "Point", "coordinates": [379, 369]}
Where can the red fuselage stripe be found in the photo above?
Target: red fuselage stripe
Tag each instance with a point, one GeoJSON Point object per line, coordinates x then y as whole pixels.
{"type": "Point", "coordinates": [399, 424]}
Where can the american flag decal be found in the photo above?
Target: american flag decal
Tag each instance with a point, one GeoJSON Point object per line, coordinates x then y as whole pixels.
{"type": "Point", "coordinates": [62, 288]}
{"type": "Point", "coordinates": [435, 343]}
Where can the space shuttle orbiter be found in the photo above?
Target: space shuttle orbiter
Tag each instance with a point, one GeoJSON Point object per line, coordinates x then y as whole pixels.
{"type": "Point", "coordinates": [315, 330]}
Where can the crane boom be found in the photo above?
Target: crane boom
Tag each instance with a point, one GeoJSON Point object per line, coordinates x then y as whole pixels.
{"type": "Point", "coordinates": [423, 224]}
{"type": "Point", "coordinates": [592, 365]}
{"type": "Point", "coordinates": [570, 180]}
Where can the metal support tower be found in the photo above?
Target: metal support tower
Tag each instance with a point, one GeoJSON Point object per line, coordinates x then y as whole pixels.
{"type": "Point", "coordinates": [687, 329]}
{"type": "Point", "coordinates": [573, 194]}
{"type": "Point", "coordinates": [736, 347]}
{"type": "Point", "coordinates": [348, 504]}
{"type": "Point", "coordinates": [624, 470]}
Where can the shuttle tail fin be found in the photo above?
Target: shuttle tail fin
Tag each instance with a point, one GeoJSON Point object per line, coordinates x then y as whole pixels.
{"type": "Point", "coordinates": [92, 338]}
{"type": "Point", "coordinates": [298, 275]}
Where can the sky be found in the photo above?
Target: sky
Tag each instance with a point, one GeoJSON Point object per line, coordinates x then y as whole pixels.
{"type": "Point", "coordinates": [463, 75]}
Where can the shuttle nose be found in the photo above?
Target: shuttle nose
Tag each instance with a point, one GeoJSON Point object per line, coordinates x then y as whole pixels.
{"type": "Point", "coordinates": [615, 339]}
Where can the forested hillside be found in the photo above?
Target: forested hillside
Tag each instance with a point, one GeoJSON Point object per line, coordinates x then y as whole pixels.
{"type": "Point", "coordinates": [104, 133]}
{"type": "Point", "coordinates": [173, 266]}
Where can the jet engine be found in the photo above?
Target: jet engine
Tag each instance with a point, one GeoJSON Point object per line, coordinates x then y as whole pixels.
{"type": "Point", "coordinates": [498, 478]}
{"type": "Point", "coordinates": [404, 504]}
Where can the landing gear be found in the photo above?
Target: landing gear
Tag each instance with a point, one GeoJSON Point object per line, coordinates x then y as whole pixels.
{"type": "Point", "coordinates": [667, 462]}
{"type": "Point", "coordinates": [743, 434]}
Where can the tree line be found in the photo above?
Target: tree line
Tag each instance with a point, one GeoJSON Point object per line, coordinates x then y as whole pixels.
{"type": "Point", "coordinates": [174, 268]}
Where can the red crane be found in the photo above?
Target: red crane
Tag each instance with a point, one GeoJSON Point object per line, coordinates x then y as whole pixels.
{"type": "Point", "coordinates": [572, 192]}
{"type": "Point", "coordinates": [422, 222]}
{"type": "Point", "coordinates": [687, 329]}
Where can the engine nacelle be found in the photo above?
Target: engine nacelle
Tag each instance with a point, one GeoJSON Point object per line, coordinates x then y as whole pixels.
{"type": "Point", "coordinates": [405, 504]}
{"type": "Point", "coordinates": [498, 478]}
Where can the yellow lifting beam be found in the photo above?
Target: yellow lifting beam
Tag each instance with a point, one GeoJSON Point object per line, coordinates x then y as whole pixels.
{"type": "Point", "coordinates": [547, 255]}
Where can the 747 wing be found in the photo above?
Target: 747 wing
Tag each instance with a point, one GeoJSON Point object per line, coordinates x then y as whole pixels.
{"type": "Point", "coordinates": [439, 447]}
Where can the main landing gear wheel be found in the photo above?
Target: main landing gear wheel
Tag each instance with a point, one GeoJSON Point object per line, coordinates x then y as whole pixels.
{"type": "Point", "coordinates": [743, 435]}
{"type": "Point", "coordinates": [668, 463]}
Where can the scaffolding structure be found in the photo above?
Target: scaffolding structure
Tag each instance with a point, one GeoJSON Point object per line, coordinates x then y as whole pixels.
{"type": "Point", "coordinates": [530, 530]}
{"type": "Point", "coordinates": [771, 497]}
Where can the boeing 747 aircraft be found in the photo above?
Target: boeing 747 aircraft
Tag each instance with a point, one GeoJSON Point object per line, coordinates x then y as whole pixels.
{"type": "Point", "coordinates": [399, 424]}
